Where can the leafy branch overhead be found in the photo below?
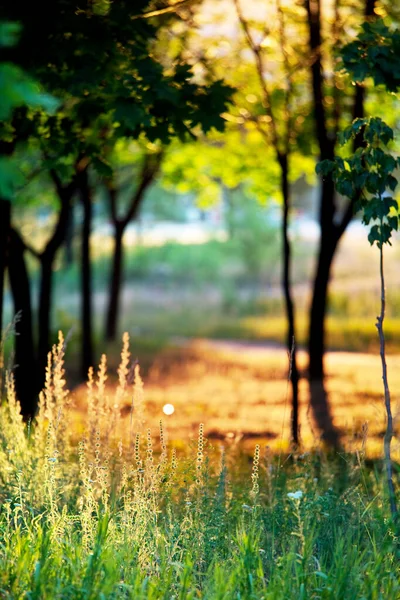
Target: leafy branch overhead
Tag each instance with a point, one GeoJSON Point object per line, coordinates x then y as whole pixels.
{"type": "Point", "coordinates": [110, 84]}
{"type": "Point", "coordinates": [374, 53]}
{"type": "Point", "coordinates": [367, 176]}
{"type": "Point", "coordinates": [18, 90]}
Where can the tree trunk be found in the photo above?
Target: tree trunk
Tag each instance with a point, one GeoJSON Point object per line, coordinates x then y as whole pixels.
{"type": "Point", "coordinates": [328, 240]}
{"type": "Point", "coordinates": [5, 219]}
{"type": "Point", "coordinates": [291, 337]}
{"type": "Point", "coordinates": [331, 231]}
{"type": "Point", "coordinates": [150, 168]}
{"type": "Point", "coordinates": [69, 239]}
{"type": "Point", "coordinates": [47, 258]}
{"type": "Point", "coordinates": [115, 284]}
{"type": "Point", "coordinates": [86, 278]}
{"type": "Point", "coordinates": [26, 374]}
{"type": "Point", "coordinates": [44, 313]}
{"type": "Point", "coordinates": [316, 339]}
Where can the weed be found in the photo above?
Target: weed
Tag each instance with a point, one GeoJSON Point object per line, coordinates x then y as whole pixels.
{"type": "Point", "coordinates": [96, 514]}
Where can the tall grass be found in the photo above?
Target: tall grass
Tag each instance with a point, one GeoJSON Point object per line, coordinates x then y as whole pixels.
{"type": "Point", "coordinates": [96, 514]}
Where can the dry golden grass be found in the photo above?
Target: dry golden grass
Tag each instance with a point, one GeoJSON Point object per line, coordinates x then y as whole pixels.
{"type": "Point", "coordinates": [241, 393]}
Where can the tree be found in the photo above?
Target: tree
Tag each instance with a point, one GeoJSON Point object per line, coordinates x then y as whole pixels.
{"type": "Point", "coordinates": [333, 220]}
{"type": "Point", "coordinates": [263, 114]}
{"type": "Point", "coordinates": [86, 198]}
{"type": "Point", "coordinates": [367, 179]}
{"type": "Point", "coordinates": [148, 171]}
{"type": "Point", "coordinates": [18, 90]}
{"type": "Point", "coordinates": [374, 53]}
{"type": "Point", "coordinates": [99, 64]}
{"type": "Point", "coordinates": [296, 77]}
{"type": "Point", "coordinates": [281, 138]}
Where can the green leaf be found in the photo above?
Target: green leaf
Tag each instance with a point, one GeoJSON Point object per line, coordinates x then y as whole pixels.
{"type": "Point", "coordinates": [9, 34]}
{"type": "Point", "coordinates": [20, 90]}
{"type": "Point", "coordinates": [374, 235]}
{"type": "Point", "coordinates": [325, 168]}
{"type": "Point", "coordinates": [393, 223]}
{"type": "Point", "coordinates": [102, 167]}
{"type": "Point", "coordinates": [344, 186]}
{"type": "Point", "coordinates": [391, 182]}
{"type": "Point", "coordinates": [10, 177]}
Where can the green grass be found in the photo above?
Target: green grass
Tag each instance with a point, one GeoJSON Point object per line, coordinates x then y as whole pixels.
{"type": "Point", "coordinates": [211, 290]}
{"type": "Point", "coordinates": [90, 513]}
{"type": "Point", "coordinates": [221, 290]}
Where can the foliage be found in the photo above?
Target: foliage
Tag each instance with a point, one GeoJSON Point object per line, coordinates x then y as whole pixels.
{"type": "Point", "coordinates": [367, 175]}
{"type": "Point", "coordinates": [17, 90]}
{"type": "Point", "coordinates": [374, 53]}
{"type": "Point", "coordinates": [127, 517]}
{"type": "Point", "coordinates": [101, 66]}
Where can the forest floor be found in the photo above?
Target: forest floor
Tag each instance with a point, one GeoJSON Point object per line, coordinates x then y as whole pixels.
{"type": "Point", "coordinates": [241, 392]}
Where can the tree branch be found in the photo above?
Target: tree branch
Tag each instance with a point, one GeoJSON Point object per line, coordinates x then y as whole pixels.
{"type": "Point", "coordinates": [258, 57]}
{"type": "Point", "coordinates": [326, 146]}
{"type": "Point", "coordinates": [112, 195]}
{"type": "Point", "coordinates": [28, 247]}
{"type": "Point", "coordinates": [163, 11]}
{"type": "Point", "coordinates": [151, 166]}
{"type": "Point", "coordinates": [65, 194]}
{"type": "Point", "coordinates": [336, 94]}
{"type": "Point", "coordinates": [288, 78]}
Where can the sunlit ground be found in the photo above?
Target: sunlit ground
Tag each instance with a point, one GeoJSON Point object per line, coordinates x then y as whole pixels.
{"type": "Point", "coordinates": [241, 394]}
{"type": "Point", "coordinates": [239, 390]}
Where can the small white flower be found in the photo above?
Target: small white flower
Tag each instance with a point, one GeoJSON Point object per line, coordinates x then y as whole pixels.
{"type": "Point", "coordinates": [295, 495]}
{"type": "Point", "coordinates": [247, 507]}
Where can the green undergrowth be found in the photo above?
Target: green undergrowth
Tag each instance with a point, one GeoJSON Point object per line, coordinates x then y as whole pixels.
{"type": "Point", "coordinates": [345, 334]}
{"type": "Point", "coordinates": [102, 514]}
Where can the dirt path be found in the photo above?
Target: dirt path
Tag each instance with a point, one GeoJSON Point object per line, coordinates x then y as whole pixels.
{"type": "Point", "coordinates": [240, 391]}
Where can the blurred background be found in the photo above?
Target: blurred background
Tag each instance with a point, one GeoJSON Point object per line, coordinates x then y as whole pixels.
{"type": "Point", "coordinates": [158, 177]}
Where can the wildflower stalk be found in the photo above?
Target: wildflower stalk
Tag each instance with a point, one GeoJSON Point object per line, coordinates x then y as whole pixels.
{"type": "Point", "coordinates": [254, 474]}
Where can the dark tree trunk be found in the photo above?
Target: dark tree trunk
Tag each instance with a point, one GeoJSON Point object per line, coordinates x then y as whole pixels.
{"type": "Point", "coordinates": [291, 329]}
{"type": "Point", "coordinates": [69, 238]}
{"type": "Point", "coordinates": [331, 229]}
{"type": "Point", "coordinates": [44, 313]}
{"type": "Point", "coordinates": [26, 374]}
{"type": "Point", "coordinates": [150, 168]}
{"type": "Point", "coordinates": [47, 259]}
{"type": "Point", "coordinates": [86, 277]}
{"type": "Point", "coordinates": [115, 284]}
{"type": "Point", "coordinates": [5, 219]}
{"type": "Point", "coordinates": [327, 246]}
{"type": "Point", "coordinates": [6, 149]}
{"type": "Point", "coordinates": [316, 341]}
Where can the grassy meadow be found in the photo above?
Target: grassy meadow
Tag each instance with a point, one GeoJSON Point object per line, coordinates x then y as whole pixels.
{"type": "Point", "coordinates": [91, 512]}
{"type": "Point", "coordinates": [106, 496]}
{"type": "Point", "coordinates": [172, 169]}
